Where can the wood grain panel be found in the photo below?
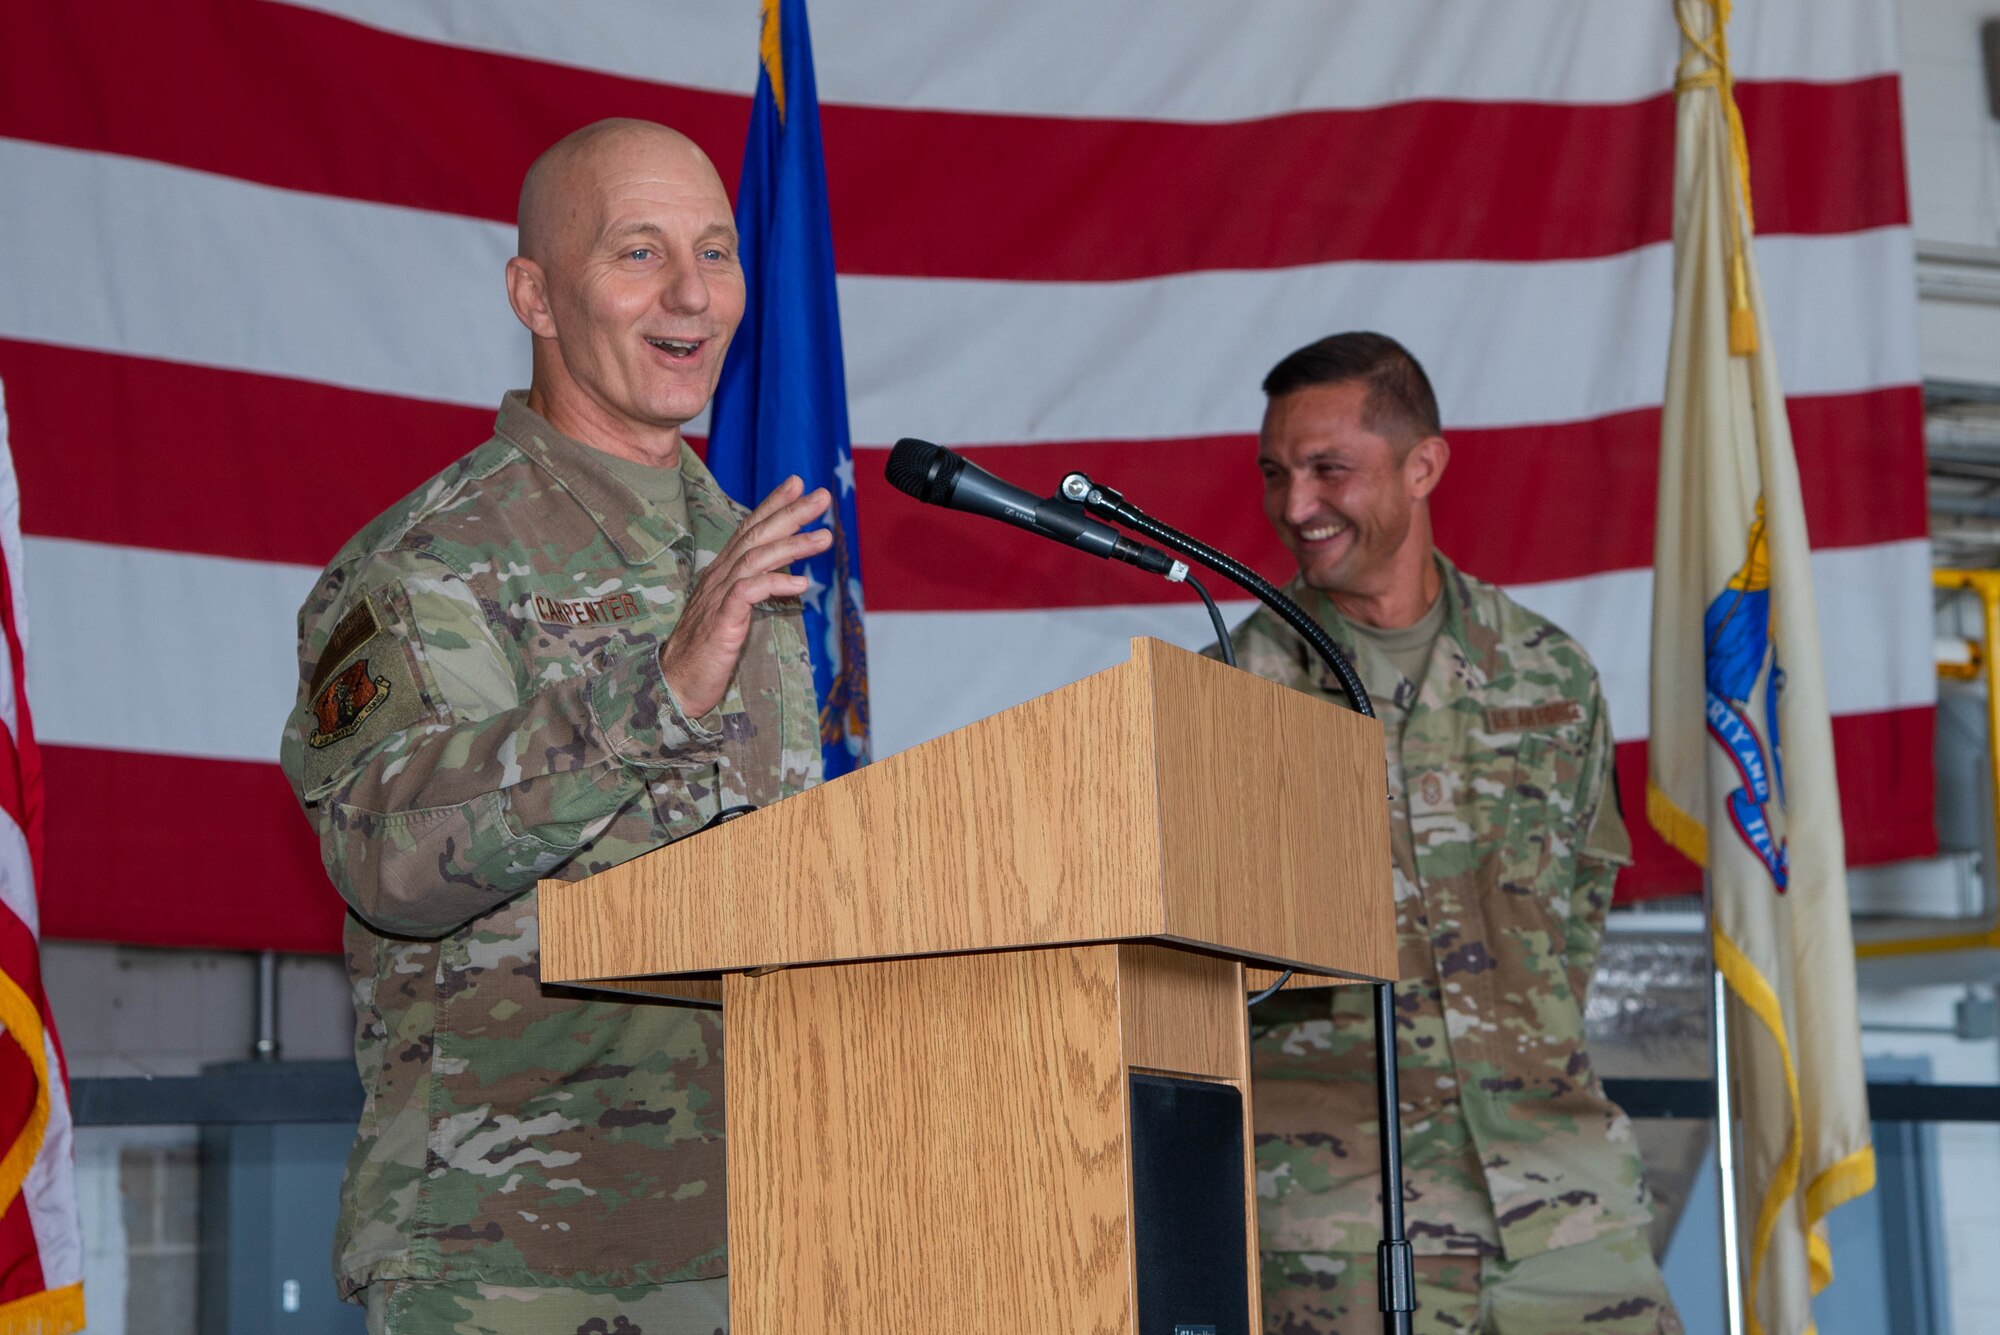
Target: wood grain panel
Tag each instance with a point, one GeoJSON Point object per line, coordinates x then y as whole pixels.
{"type": "Point", "coordinates": [1274, 817]}
{"type": "Point", "coordinates": [1036, 826]}
{"type": "Point", "coordinates": [1182, 1012]}
{"type": "Point", "coordinates": [930, 1145]}
{"type": "Point", "coordinates": [1171, 799]}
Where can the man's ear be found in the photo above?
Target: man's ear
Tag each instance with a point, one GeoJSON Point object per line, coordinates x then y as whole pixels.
{"type": "Point", "coordinates": [528, 294]}
{"type": "Point", "coordinates": [1423, 466]}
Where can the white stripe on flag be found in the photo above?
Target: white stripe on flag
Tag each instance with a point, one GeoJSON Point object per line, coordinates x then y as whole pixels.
{"type": "Point", "coordinates": [1874, 604]}
{"type": "Point", "coordinates": [50, 1189]}
{"type": "Point", "coordinates": [199, 268]}
{"type": "Point", "coordinates": [205, 661]}
{"type": "Point", "coordinates": [1510, 344]}
{"type": "Point", "coordinates": [933, 671]}
{"type": "Point", "coordinates": [10, 553]}
{"type": "Point", "coordinates": [219, 674]}
{"type": "Point", "coordinates": [17, 875]}
{"type": "Point", "coordinates": [930, 672]}
{"type": "Point", "coordinates": [1176, 60]}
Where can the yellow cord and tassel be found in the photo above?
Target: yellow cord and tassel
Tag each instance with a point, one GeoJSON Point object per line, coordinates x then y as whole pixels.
{"type": "Point", "coordinates": [1742, 319]}
{"type": "Point", "coordinates": [1742, 315]}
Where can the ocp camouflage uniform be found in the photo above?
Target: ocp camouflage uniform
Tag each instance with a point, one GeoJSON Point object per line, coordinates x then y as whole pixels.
{"type": "Point", "coordinates": [481, 705]}
{"type": "Point", "coordinates": [1507, 837]}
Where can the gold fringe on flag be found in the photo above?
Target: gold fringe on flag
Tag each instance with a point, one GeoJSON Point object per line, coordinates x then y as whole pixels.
{"type": "Point", "coordinates": [50, 1312]}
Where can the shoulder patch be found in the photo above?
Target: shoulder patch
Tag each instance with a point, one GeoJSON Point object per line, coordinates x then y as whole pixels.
{"type": "Point", "coordinates": [355, 629]}
{"type": "Point", "coordinates": [362, 690]}
{"type": "Point", "coordinates": [1525, 718]}
{"type": "Point", "coordinates": [346, 702]}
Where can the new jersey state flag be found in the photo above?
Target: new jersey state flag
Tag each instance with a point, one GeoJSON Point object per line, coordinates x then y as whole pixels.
{"type": "Point", "coordinates": [1741, 758]}
{"type": "Point", "coordinates": [781, 405]}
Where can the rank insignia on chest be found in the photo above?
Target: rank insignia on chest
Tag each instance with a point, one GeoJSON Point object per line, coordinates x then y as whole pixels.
{"type": "Point", "coordinates": [1432, 792]}
{"type": "Point", "coordinates": [346, 702]}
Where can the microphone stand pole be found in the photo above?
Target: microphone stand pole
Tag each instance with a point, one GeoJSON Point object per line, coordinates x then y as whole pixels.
{"type": "Point", "coordinates": [1398, 1298]}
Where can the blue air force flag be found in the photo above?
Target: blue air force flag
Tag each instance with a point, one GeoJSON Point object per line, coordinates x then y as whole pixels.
{"type": "Point", "coordinates": [781, 406]}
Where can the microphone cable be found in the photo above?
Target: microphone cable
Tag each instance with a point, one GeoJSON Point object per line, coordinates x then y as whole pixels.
{"type": "Point", "coordinates": [1099, 500]}
{"type": "Point", "coordinates": [1222, 639]}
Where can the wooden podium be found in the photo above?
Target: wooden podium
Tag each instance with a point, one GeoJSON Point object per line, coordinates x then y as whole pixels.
{"type": "Point", "coordinates": [986, 1045]}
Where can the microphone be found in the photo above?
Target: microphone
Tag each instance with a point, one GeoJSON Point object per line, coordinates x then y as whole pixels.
{"type": "Point", "coordinates": [939, 476]}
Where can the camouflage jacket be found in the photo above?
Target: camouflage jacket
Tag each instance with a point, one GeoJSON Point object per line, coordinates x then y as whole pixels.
{"type": "Point", "coordinates": [1507, 837]}
{"type": "Point", "coordinates": [481, 705]}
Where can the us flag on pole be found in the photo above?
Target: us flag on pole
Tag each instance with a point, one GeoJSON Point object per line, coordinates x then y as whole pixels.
{"type": "Point", "coordinates": [41, 1245]}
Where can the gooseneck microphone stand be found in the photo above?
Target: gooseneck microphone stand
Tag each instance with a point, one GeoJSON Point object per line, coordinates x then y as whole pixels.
{"type": "Point", "coordinates": [1393, 1260]}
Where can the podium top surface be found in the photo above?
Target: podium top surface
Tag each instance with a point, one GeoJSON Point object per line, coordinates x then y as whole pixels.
{"type": "Point", "coordinates": [1170, 798]}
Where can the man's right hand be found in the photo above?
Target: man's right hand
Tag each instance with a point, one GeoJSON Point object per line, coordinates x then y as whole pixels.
{"type": "Point", "coordinates": [700, 656]}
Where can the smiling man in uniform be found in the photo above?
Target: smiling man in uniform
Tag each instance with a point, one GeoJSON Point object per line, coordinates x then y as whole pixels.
{"type": "Point", "coordinates": [1525, 1200]}
{"type": "Point", "coordinates": [563, 651]}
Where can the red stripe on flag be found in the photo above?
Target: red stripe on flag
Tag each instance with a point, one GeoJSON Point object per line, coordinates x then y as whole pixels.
{"type": "Point", "coordinates": [1884, 822]}
{"type": "Point", "coordinates": [1587, 490]}
{"type": "Point", "coordinates": [144, 453]}
{"type": "Point", "coordinates": [175, 851]}
{"type": "Point", "coordinates": [217, 854]}
{"type": "Point", "coordinates": [293, 98]}
{"type": "Point", "coordinates": [266, 92]}
{"type": "Point", "coordinates": [20, 758]}
{"type": "Point", "coordinates": [931, 195]}
{"type": "Point", "coordinates": [1518, 505]}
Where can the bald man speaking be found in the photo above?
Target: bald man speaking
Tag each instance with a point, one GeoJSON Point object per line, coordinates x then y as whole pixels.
{"type": "Point", "coordinates": [564, 650]}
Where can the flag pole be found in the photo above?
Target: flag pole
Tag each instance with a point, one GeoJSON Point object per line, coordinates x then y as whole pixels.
{"type": "Point", "coordinates": [1725, 1137]}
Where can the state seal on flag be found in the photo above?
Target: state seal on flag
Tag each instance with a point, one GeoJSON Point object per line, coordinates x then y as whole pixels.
{"type": "Point", "coordinates": [1741, 656]}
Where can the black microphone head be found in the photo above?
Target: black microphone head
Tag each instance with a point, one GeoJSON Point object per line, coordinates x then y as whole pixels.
{"type": "Point", "coordinates": [923, 470]}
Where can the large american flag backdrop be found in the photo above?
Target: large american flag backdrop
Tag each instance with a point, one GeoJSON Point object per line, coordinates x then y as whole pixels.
{"type": "Point", "coordinates": [250, 292]}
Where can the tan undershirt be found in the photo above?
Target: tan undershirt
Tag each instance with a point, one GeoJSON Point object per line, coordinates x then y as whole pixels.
{"type": "Point", "coordinates": [1408, 647]}
{"type": "Point", "coordinates": [661, 488]}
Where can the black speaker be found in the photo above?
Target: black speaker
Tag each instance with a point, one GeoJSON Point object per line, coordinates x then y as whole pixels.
{"type": "Point", "coordinates": [1187, 1203]}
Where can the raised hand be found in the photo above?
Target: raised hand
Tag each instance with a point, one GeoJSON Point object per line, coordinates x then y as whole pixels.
{"type": "Point", "coordinates": [700, 656]}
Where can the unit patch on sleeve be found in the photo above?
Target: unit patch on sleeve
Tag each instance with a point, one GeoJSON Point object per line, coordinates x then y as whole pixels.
{"type": "Point", "coordinates": [1525, 718]}
{"type": "Point", "coordinates": [345, 702]}
{"type": "Point", "coordinates": [355, 629]}
{"type": "Point", "coordinates": [363, 689]}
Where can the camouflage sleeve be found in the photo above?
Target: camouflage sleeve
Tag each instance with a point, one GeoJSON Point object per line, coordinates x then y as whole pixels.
{"type": "Point", "coordinates": [438, 788]}
{"type": "Point", "coordinates": [1606, 847]}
